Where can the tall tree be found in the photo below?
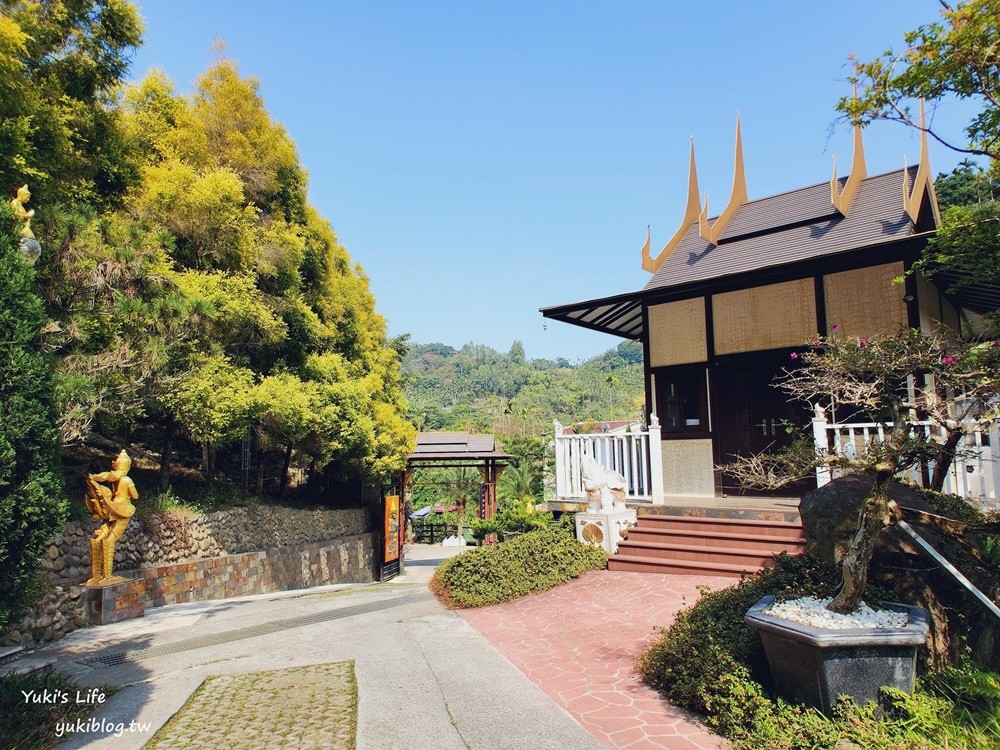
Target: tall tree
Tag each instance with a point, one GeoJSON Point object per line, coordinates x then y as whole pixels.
{"type": "Point", "coordinates": [956, 58]}
{"type": "Point", "coordinates": [968, 184]}
{"type": "Point", "coordinates": [65, 60]}
{"type": "Point", "coordinates": [32, 503]}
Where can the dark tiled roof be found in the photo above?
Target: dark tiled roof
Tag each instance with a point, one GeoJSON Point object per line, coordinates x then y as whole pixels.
{"type": "Point", "coordinates": [451, 446]}
{"type": "Point", "coordinates": [791, 227]}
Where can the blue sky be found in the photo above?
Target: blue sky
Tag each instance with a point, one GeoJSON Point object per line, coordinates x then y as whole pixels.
{"type": "Point", "coordinates": [483, 160]}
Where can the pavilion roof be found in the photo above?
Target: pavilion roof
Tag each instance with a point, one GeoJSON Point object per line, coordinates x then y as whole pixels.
{"type": "Point", "coordinates": [456, 447]}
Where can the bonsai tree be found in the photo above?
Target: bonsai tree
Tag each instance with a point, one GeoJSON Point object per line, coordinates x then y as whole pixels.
{"type": "Point", "coordinates": [902, 383]}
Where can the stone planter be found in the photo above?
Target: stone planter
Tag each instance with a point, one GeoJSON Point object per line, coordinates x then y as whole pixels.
{"type": "Point", "coordinates": [814, 665]}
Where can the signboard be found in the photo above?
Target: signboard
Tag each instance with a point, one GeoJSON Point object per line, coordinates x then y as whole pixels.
{"type": "Point", "coordinates": [391, 529]}
{"type": "Point", "coordinates": [392, 533]}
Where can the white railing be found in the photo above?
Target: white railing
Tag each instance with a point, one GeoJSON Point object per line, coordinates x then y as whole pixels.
{"type": "Point", "coordinates": [627, 453]}
{"type": "Point", "coordinates": [974, 474]}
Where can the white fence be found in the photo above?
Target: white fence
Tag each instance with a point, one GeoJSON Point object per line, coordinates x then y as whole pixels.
{"type": "Point", "coordinates": [627, 453]}
{"type": "Point", "coordinates": [975, 473]}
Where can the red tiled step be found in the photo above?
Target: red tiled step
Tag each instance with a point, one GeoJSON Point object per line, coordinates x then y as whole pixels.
{"type": "Point", "coordinates": [709, 546]}
{"type": "Point", "coordinates": [785, 529]}
{"type": "Point", "coordinates": [694, 552]}
{"type": "Point", "coordinates": [731, 539]}
{"type": "Point", "coordinates": [638, 564]}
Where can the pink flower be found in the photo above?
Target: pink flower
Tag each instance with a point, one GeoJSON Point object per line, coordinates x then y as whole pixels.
{"type": "Point", "coordinates": [863, 342]}
{"type": "Point", "coordinates": [834, 327]}
{"type": "Point", "coordinates": [949, 360]}
{"type": "Point", "coordinates": [795, 355]}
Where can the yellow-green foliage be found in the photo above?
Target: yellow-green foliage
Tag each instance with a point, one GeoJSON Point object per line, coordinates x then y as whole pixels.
{"type": "Point", "coordinates": [213, 401]}
{"type": "Point", "coordinates": [205, 290]}
{"type": "Point", "coordinates": [532, 562]}
{"type": "Point", "coordinates": [233, 313]}
{"type": "Point", "coordinates": [204, 209]}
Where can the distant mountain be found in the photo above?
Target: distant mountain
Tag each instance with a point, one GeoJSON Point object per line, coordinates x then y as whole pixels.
{"type": "Point", "coordinates": [479, 388]}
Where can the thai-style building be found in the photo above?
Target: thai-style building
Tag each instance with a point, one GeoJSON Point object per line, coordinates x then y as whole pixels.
{"type": "Point", "coordinates": [731, 297]}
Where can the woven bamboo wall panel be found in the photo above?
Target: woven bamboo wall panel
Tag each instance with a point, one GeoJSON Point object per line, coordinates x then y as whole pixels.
{"type": "Point", "coordinates": [865, 302]}
{"type": "Point", "coordinates": [765, 317]}
{"type": "Point", "coordinates": [677, 333]}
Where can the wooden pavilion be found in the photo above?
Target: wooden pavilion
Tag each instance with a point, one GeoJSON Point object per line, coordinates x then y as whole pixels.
{"type": "Point", "coordinates": [453, 450]}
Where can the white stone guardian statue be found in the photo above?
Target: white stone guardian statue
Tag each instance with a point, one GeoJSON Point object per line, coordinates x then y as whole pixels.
{"type": "Point", "coordinates": [607, 520]}
{"type": "Point", "coordinates": [605, 488]}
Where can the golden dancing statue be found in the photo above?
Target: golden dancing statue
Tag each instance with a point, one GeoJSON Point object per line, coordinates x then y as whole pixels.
{"type": "Point", "coordinates": [111, 504]}
{"type": "Point", "coordinates": [24, 215]}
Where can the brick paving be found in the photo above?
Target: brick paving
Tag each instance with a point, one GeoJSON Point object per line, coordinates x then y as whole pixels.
{"type": "Point", "coordinates": [299, 709]}
{"type": "Point", "coordinates": [578, 643]}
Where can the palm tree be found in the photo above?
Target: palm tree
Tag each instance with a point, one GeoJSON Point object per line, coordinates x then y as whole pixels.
{"type": "Point", "coordinates": [517, 487]}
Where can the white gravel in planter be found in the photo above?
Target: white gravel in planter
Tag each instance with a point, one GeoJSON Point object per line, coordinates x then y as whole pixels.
{"type": "Point", "coordinates": [811, 611]}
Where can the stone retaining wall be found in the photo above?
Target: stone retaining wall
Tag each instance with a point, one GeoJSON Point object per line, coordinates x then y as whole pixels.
{"type": "Point", "coordinates": [253, 550]}
{"type": "Point", "coordinates": [347, 560]}
{"type": "Point", "coordinates": [175, 536]}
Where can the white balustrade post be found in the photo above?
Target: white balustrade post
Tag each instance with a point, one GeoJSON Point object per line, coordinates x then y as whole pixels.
{"type": "Point", "coordinates": [655, 461]}
{"type": "Point", "coordinates": [560, 449]}
{"type": "Point", "coordinates": [993, 492]}
{"type": "Point", "coordinates": [821, 443]}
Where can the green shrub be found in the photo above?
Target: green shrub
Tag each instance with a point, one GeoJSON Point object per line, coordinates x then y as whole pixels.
{"type": "Point", "coordinates": [26, 725]}
{"type": "Point", "coordinates": [32, 502]}
{"type": "Point", "coordinates": [535, 561]}
{"type": "Point", "coordinates": [707, 640]}
{"type": "Point", "coordinates": [481, 528]}
{"type": "Point", "coordinates": [516, 520]}
{"type": "Point", "coordinates": [741, 711]}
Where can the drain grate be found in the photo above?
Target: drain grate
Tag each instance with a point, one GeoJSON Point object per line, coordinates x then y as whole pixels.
{"type": "Point", "coordinates": [118, 658]}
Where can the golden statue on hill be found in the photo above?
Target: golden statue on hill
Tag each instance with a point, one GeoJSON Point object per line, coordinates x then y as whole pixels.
{"type": "Point", "coordinates": [111, 504]}
{"type": "Point", "coordinates": [23, 214]}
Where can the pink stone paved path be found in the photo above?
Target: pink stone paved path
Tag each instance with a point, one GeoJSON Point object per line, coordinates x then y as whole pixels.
{"type": "Point", "coordinates": [578, 643]}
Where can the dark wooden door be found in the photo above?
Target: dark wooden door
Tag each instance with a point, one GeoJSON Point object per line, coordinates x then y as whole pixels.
{"type": "Point", "coordinates": [752, 414]}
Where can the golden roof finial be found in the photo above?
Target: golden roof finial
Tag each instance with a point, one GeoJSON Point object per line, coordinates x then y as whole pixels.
{"type": "Point", "coordinates": [923, 183]}
{"type": "Point", "coordinates": [859, 172]}
{"type": "Point", "coordinates": [737, 197]}
{"type": "Point", "coordinates": [691, 212]}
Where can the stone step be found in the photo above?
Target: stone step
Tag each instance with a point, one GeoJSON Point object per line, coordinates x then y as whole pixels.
{"type": "Point", "coordinates": [706, 545]}
{"type": "Point", "coordinates": [785, 529]}
{"type": "Point", "coordinates": [643, 564]}
{"type": "Point", "coordinates": [696, 553]}
{"type": "Point", "coordinates": [27, 666]}
{"type": "Point", "coordinates": [775, 543]}
{"type": "Point", "coordinates": [9, 653]}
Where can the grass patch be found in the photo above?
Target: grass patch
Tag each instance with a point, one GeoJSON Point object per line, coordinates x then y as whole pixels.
{"type": "Point", "coordinates": [536, 561]}
{"type": "Point", "coordinates": [27, 725]}
{"type": "Point", "coordinates": [311, 706]}
{"type": "Point", "coordinates": [710, 662]}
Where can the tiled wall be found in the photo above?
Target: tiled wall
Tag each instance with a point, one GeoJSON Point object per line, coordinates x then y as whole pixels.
{"type": "Point", "coordinates": [347, 560]}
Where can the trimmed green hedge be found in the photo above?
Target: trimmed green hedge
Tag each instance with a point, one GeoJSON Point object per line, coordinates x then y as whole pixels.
{"type": "Point", "coordinates": [536, 561]}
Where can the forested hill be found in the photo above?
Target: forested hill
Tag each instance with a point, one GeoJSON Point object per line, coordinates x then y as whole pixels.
{"type": "Point", "coordinates": [479, 388]}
